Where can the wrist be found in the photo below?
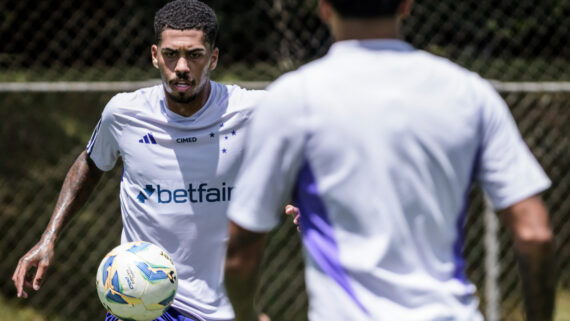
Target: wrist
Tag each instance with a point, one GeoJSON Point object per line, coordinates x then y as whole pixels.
{"type": "Point", "coordinates": [48, 240]}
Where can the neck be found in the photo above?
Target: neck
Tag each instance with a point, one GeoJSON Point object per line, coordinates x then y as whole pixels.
{"type": "Point", "coordinates": [359, 29]}
{"type": "Point", "coordinates": [189, 108]}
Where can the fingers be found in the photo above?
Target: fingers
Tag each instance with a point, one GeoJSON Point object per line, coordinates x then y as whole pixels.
{"type": "Point", "coordinates": [22, 279]}
{"type": "Point", "coordinates": [291, 210]}
{"type": "Point", "coordinates": [294, 211]}
{"type": "Point", "coordinates": [19, 278]}
{"type": "Point", "coordinates": [264, 317]}
{"type": "Point", "coordinates": [27, 284]}
{"type": "Point", "coordinates": [39, 276]}
{"type": "Point", "coordinates": [32, 268]}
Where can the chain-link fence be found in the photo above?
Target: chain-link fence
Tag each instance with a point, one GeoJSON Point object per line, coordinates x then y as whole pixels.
{"type": "Point", "coordinates": [67, 40]}
{"type": "Point", "coordinates": [259, 39]}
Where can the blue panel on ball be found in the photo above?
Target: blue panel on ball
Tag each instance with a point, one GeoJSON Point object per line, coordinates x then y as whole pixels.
{"type": "Point", "coordinates": [107, 267]}
{"type": "Point", "coordinates": [138, 247]}
{"type": "Point", "coordinates": [115, 282]}
{"type": "Point", "coordinates": [168, 300]}
{"type": "Point", "coordinates": [115, 297]}
{"type": "Point", "coordinates": [149, 274]}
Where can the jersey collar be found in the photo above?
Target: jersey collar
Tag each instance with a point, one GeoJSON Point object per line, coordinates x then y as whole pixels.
{"type": "Point", "coordinates": [372, 44]}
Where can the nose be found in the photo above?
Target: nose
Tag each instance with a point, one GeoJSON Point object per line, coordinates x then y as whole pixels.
{"type": "Point", "coordinates": [182, 66]}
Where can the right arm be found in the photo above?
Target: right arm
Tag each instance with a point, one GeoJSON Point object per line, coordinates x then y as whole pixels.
{"type": "Point", "coordinates": [77, 186]}
{"type": "Point", "coordinates": [528, 223]}
{"type": "Point", "coordinates": [512, 177]}
{"type": "Point", "coordinates": [243, 260]}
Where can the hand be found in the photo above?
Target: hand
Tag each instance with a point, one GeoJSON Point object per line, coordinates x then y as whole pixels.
{"type": "Point", "coordinates": [38, 257]}
{"type": "Point", "coordinates": [294, 211]}
{"type": "Point", "coordinates": [264, 317]}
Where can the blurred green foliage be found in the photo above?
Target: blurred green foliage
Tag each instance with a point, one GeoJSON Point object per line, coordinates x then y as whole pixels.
{"type": "Point", "coordinates": [84, 41]}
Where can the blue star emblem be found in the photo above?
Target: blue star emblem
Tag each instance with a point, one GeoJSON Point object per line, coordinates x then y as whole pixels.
{"type": "Point", "coordinates": [212, 134]}
{"type": "Point", "coordinates": [233, 132]}
{"type": "Point", "coordinates": [222, 125]}
{"type": "Point", "coordinates": [226, 137]}
{"type": "Point", "coordinates": [224, 150]}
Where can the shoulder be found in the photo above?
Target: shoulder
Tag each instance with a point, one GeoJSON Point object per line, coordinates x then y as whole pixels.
{"type": "Point", "coordinates": [459, 80]}
{"type": "Point", "coordinates": [291, 91]}
{"type": "Point", "coordinates": [291, 84]}
{"type": "Point", "coordinates": [134, 102]}
{"type": "Point", "coordinates": [284, 98]}
{"type": "Point", "coordinates": [451, 70]}
{"type": "Point", "coordinates": [242, 98]}
{"type": "Point", "coordinates": [440, 69]}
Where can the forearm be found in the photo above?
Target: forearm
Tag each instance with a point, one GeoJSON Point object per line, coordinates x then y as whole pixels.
{"type": "Point", "coordinates": [538, 273]}
{"type": "Point", "coordinates": [528, 222]}
{"type": "Point", "coordinates": [241, 291]}
{"type": "Point", "coordinates": [242, 271]}
{"type": "Point", "coordinates": [79, 182]}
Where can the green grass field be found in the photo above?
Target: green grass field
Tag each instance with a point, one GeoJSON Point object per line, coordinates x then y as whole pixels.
{"type": "Point", "coordinates": [12, 310]}
{"type": "Point", "coordinates": [563, 306]}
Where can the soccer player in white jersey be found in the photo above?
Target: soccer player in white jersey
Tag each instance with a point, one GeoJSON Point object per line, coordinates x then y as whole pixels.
{"type": "Point", "coordinates": [380, 148]}
{"type": "Point", "coordinates": [181, 144]}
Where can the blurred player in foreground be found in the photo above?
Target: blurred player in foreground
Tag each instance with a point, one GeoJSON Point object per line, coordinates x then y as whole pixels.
{"type": "Point", "coordinates": [381, 145]}
{"type": "Point", "coordinates": [181, 144]}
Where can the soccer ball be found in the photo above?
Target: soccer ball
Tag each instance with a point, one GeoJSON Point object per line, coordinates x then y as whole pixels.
{"type": "Point", "coordinates": [136, 281]}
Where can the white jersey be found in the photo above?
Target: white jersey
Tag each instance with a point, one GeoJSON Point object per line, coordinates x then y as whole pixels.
{"type": "Point", "coordinates": [178, 177]}
{"type": "Point", "coordinates": [379, 144]}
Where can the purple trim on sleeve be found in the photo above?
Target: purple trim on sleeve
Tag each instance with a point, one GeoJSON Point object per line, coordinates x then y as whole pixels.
{"type": "Point", "coordinates": [318, 233]}
{"type": "Point", "coordinates": [459, 272]}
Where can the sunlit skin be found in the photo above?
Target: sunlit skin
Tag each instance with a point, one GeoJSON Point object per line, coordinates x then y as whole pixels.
{"type": "Point", "coordinates": [185, 62]}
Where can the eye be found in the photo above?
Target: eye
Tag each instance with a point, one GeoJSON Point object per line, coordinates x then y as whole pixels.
{"type": "Point", "coordinates": [169, 54]}
{"type": "Point", "coordinates": [196, 55]}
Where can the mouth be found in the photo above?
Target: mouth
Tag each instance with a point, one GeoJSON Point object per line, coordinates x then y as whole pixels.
{"type": "Point", "coordinates": [182, 86]}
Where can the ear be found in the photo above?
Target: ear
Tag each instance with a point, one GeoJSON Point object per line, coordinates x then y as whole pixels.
{"type": "Point", "coordinates": [154, 54]}
{"type": "Point", "coordinates": [405, 8]}
{"type": "Point", "coordinates": [325, 11]}
{"type": "Point", "coordinates": [214, 58]}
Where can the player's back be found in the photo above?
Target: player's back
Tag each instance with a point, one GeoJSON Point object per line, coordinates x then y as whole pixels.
{"type": "Point", "coordinates": [393, 142]}
{"type": "Point", "coordinates": [380, 144]}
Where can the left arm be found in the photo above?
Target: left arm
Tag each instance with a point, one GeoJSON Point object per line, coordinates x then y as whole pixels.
{"type": "Point", "coordinates": [267, 177]}
{"type": "Point", "coordinates": [242, 271]}
{"type": "Point", "coordinates": [533, 242]}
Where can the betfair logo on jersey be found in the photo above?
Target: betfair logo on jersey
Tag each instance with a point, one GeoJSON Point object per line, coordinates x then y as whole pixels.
{"type": "Point", "coordinates": [193, 194]}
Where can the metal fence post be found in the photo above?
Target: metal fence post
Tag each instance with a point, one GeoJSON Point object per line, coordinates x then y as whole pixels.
{"type": "Point", "coordinates": [492, 267]}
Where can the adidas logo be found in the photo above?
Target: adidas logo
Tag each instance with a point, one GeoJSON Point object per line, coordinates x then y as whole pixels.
{"type": "Point", "coordinates": [147, 139]}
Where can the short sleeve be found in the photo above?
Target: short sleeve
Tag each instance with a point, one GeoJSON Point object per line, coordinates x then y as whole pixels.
{"type": "Point", "coordinates": [508, 171]}
{"type": "Point", "coordinates": [274, 150]}
{"type": "Point", "coordinates": [103, 148]}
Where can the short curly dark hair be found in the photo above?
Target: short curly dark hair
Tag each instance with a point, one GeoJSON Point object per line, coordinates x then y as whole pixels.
{"type": "Point", "coordinates": [185, 15]}
{"type": "Point", "coordinates": [365, 8]}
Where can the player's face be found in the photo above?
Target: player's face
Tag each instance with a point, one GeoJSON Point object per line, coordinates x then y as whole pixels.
{"type": "Point", "coordinates": [185, 62]}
